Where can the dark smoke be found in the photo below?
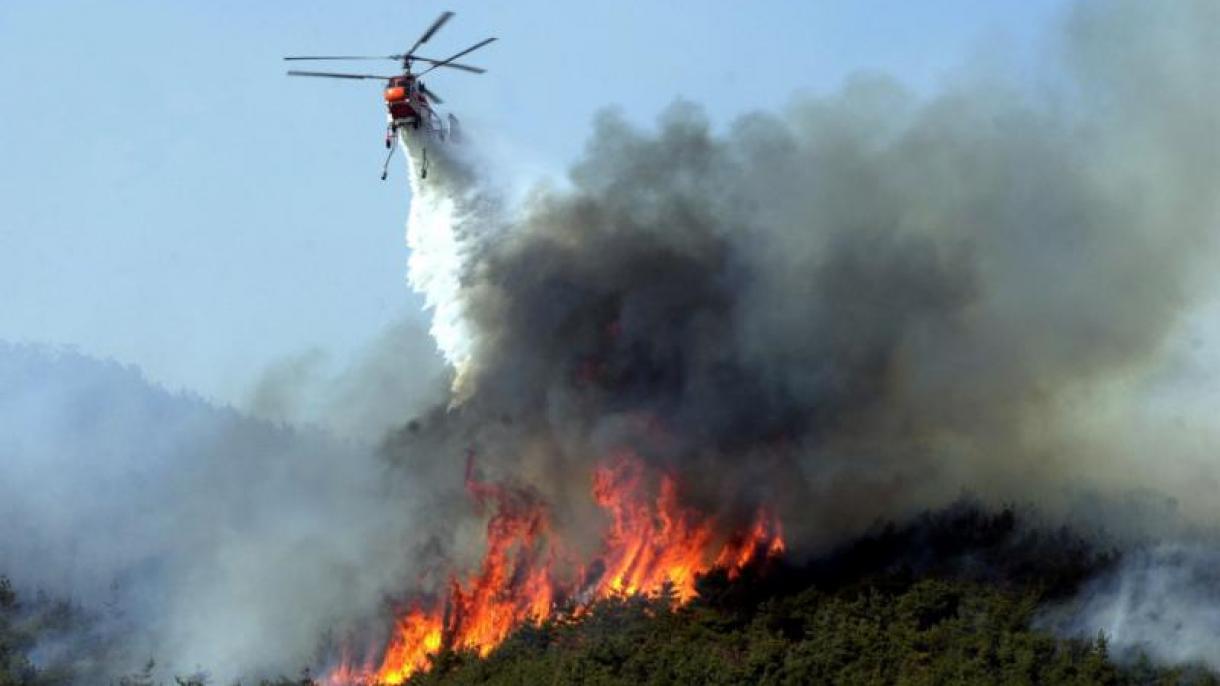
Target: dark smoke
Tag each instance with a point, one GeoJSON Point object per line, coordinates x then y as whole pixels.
{"type": "Point", "coordinates": [859, 307]}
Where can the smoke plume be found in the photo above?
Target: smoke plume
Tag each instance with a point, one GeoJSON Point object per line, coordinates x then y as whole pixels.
{"type": "Point", "coordinates": [859, 306]}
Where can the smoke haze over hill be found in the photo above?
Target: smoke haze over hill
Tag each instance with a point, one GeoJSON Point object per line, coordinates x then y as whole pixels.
{"type": "Point", "coordinates": [196, 532]}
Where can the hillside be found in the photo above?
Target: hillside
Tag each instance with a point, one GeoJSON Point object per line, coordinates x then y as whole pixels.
{"type": "Point", "coordinates": [953, 597]}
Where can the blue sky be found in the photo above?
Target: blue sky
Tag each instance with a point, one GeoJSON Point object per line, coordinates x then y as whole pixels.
{"type": "Point", "coordinates": [169, 199]}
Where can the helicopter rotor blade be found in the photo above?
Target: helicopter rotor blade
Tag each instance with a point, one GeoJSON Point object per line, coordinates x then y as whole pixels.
{"type": "Point", "coordinates": [453, 65]}
{"type": "Point", "coordinates": [429, 60]}
{"type": "Point", "coordinates": [334, 75]}
{"type": "Point", "coordinates": [446, 62]}
{"type": "Point", "coordinates": [431, 96]}
{"type": "Point", "coordinates": [436, 26]}
{"type": "Point", "coordinates": [344, 57]}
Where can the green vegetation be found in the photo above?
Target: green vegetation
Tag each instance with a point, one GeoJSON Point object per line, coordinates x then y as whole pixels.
{"type": "Point", "coordinates": [947, 599]}
{"type": "Point", "coordinates": [925, 632]}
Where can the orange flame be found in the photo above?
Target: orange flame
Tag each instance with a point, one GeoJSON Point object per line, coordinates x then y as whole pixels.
{"type": "Point", "coordinates": [652, 542]}
{"type": "Point", "coordinates": [514, 583]}
{"type": "Point", "coordinates": [417, 635]}
{"type": "Point", "coordinates": [649, 543]}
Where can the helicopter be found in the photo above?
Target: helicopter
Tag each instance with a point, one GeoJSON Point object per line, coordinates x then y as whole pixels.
{"type": "Point", "coordinates": [408, 101]}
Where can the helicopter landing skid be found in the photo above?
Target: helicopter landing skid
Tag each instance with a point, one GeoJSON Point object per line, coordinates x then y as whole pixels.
{"type": "Point", "coordinates": [385, 167]}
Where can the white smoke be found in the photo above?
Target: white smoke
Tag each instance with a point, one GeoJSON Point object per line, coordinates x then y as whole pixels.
{"type": "Point", "coordinates": [1162, 601]}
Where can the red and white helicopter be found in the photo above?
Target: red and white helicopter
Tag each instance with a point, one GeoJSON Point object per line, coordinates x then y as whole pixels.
{"type": "Point", "coordinates": [408, 101]}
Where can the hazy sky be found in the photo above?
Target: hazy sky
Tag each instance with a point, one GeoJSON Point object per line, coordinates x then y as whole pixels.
{"type": "Point", "coordinates": [168, 198]}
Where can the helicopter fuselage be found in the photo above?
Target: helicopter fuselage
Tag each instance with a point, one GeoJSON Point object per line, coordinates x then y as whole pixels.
{"type": "Point", "coordinates": [408, 106]}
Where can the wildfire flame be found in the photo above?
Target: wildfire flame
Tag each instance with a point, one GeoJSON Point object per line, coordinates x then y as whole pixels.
{"type": "Point", "coordinates": [652, 543]}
